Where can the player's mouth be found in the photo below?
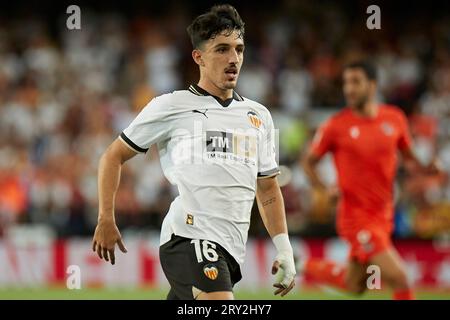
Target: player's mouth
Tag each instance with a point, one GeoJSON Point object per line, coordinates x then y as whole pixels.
{"type": "Point", "coordinates": [231, 73]}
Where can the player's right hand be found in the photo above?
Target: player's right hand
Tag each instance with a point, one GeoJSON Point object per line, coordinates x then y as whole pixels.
{"type": "Point", "coordinates": [106, 236]}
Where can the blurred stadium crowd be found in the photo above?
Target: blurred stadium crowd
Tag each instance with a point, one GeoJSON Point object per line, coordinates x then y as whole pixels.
{"type": "Point", "coordinates": [65, 95]}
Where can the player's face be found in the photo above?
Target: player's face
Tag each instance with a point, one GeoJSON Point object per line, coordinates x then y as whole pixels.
{"type": "Point", "coordinates": [221, 60]}
{"type": "Point", "coordinates": [358, 89]}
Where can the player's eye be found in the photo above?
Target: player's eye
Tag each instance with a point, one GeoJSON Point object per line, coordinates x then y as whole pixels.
{"type": "Point", "coordinates": [221, 49]}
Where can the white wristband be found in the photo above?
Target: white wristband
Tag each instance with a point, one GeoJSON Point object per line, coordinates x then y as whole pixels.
{"type": "Point", "coordinates": [282, 243]}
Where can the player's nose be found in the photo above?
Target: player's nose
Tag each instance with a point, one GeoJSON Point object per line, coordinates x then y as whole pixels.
{"type": "Point", "coordinates": [233, 57]}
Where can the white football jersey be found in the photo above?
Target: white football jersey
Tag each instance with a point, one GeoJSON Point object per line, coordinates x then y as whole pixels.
{"type": "Point", "coordinates": [213, 151]}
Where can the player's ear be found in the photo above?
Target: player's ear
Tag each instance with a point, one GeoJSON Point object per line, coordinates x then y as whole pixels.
{"type": "Point", "coordinates": [197, 56]}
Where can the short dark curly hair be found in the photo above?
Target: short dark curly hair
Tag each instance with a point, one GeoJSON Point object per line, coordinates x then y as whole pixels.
{"type": "Point", "coordinates": [366, 66]}
{"type": "Point", "coordinates": [218, 19]}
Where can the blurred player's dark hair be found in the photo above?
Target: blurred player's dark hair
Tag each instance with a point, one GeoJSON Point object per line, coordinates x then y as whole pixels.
{"type": "Point", "coordinates": [369, 68]}
{"type": "Point", "coordinates": [218, 19]}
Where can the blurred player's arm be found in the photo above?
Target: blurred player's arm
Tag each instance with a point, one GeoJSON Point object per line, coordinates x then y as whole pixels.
{"type": "Point", "coordinates": [434, 167]}
{"type": "Point", "coordinates": [322, 143]}
{"type": "Point", "coordinates": [309, 165]}
{"type": "Point", "coordinates": [106, 233]}
{"type": "Point", "coordinates": [271, 207]}
{"type": "Point", "coordinates": [405, 145]}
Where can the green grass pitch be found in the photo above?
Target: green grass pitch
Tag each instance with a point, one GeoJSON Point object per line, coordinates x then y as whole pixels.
{"type": "Point", "coordinates": [310, 293]}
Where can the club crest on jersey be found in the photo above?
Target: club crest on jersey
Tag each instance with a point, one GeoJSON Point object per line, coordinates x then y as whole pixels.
{"type": "Point", "coordinates": [254, 119]}
{"type": "Point", "coordinates": [354, 132]}
{"type": "Point", "coordinates": [211, 271]}
{"type": "Point", "coordinates": [387, 128]}
{"type": "Point", "coordinates": [364, 238]}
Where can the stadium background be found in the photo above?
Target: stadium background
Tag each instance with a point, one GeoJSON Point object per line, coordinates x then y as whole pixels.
{"type": "Point", "coordinates": [66, 94]}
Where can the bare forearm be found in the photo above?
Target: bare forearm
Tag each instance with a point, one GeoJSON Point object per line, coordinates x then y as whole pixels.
{"type": "Point", "coordinates": [310, 168]}
{"type": "Point", "coordinates": [433, 168]}
{"type": "Point", "coordinates": [271, 208]}
{"type": "Point", "coordinates": [408, 155]}
{"type": "Point", "coordinates": [108, 182]}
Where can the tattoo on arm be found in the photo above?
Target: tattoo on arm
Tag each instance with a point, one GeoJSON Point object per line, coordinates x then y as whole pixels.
{"type": "Point", "coordinates": [269, 201]}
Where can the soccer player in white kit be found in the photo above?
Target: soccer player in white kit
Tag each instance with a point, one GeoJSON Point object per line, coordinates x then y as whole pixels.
{"type": "Point", "coordinates": [218, 148]}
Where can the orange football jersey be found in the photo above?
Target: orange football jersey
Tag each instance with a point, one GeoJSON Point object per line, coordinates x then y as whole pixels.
{"type": "Point", "coordinates": [365, 155]}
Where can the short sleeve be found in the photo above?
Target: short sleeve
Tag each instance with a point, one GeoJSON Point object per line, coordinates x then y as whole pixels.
{"type": "Point", "coordinates": [323, 140]}
{"type": "Point", "coordinates": [150, 126]}
{"type": "Point", "coordinates": [267, 155]}
{"type": "Point", "coordinates": [404, 139]}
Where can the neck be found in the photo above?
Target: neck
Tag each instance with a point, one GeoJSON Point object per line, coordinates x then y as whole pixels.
{"type": "Point", "coordinates": [370, 109]}
{"type": "Point", "coordinates": [212, 89]}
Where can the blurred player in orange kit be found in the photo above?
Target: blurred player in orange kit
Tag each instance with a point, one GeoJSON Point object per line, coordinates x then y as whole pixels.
{"type": "Point", "coordinates": [364, 139]}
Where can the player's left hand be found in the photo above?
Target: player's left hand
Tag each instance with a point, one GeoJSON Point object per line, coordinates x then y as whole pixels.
{"type": "Point", "coordinates": [284, 265]}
